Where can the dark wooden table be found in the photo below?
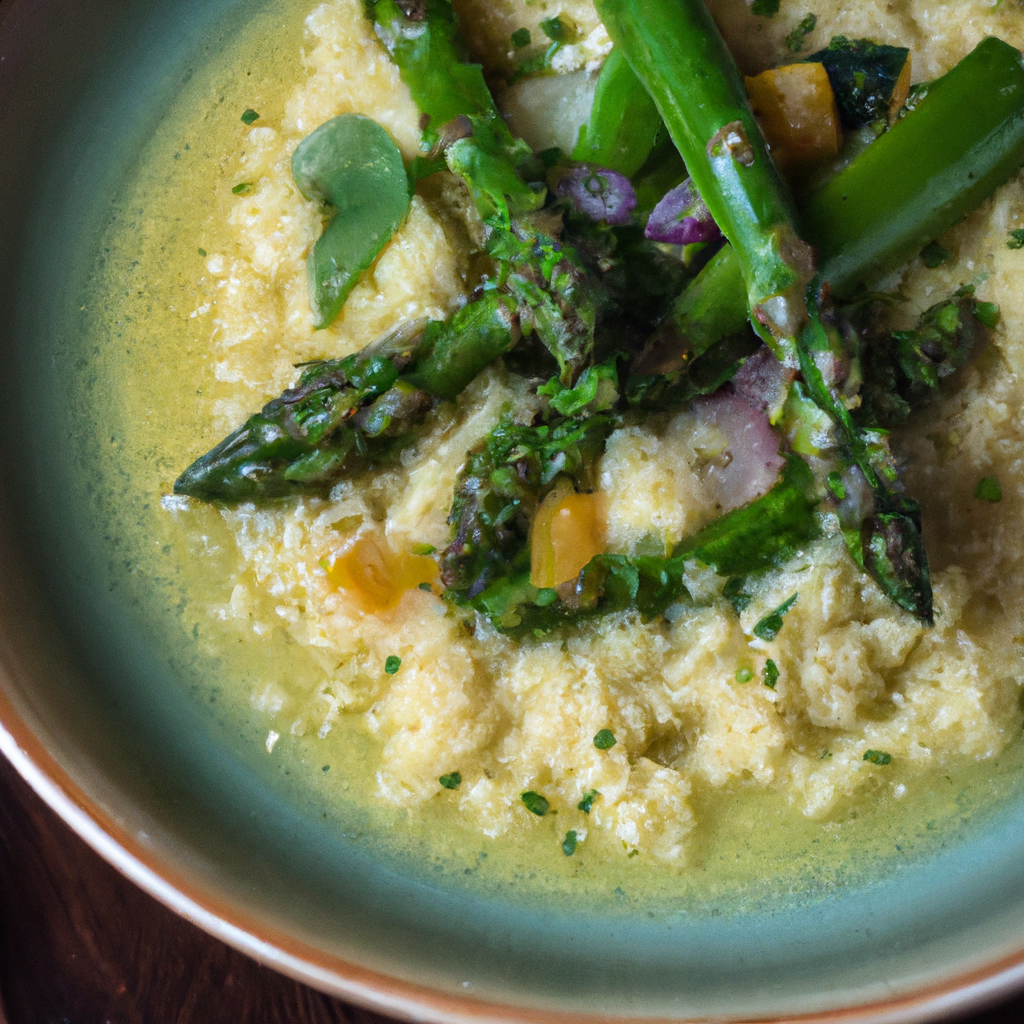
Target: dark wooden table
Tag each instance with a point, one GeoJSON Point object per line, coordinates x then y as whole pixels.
{"type": "Point", "coordinates": [80, 944]}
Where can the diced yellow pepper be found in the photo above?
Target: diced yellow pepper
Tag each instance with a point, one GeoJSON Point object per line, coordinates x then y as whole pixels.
{"type": "Point", "coordinates": [797, 112]}
{"type": "Point", "coordinates": [375, 575]}
{"type": "Point", "coordinates": [567, 532]}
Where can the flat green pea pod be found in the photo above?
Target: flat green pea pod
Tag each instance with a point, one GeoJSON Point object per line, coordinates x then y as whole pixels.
{"type": "Point", "coordinates": [351, 164]}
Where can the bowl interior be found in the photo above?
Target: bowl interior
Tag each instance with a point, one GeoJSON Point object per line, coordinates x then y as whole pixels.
{"type": "Point", "coordinates": [92, 672]}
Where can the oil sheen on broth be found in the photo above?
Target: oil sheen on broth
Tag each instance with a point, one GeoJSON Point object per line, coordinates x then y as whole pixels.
{"type": "Point", "coordinates": [714, 787]}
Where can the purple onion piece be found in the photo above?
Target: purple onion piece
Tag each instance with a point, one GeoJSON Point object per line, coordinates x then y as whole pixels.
{"type": "Point", "coordinates": [598, 193]}
{"type": "Point", "coordinates": [682, 218]}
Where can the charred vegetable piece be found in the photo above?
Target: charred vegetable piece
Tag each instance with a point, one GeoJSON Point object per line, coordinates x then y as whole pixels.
{"type": "Point", "coordinates": [624, 121]}
{"type": "Point", "coordinates": [797, 112]}
{"type": "Point", "coordinates": [352, 166]}
{"type": "Point", "coordinates": [903, 368]}
{"type": "Point", "coordinates": [353, 412]}
{"type": "Point", "coordinates": [677, 52]}
{"type": "Point", "coordinates": [936, 164]}
{"type": "Point", "coordinates": [870, 80]}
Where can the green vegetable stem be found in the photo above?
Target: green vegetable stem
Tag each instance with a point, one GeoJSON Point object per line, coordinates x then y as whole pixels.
{"type": "Point", "coordinates": [352, 165]}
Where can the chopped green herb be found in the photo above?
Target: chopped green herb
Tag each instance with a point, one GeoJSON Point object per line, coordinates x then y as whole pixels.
{"type": "Point", "coordinates": [326, 768]}
{"type": "Point", "coordinates": [987, 314]}
{"type": "Point", "coordinates": [765, 8]}
{"type": "Point", "coordinates": [771, 674]}
{"type": "Point", "coordinates": [392, 664]}
{"type": "Point", "coordinates": [744, 675]}
{"type": "Point", "coordinates": [836, 485]}
{"type": "Point", "coordinates": [588, 801]}
{"type": "Point", "coordinates": [633, 853]}
{"type": "Point", "coordinates": [825, 755]}
{"type": "Point", "coordinates": [249, 116]}
{"type": "Point", "coordinates": [795, 39]}
{"type": "Point", "coordinates": [451, 781]}
{"type": "Point", "coordinates": [569, 843]}
{"type": "Point", "coordinates": [1016, 239]}
{"type": "Point", "coordinates": [733, 593]}
{"type": "Point", "coordinates": [934, 255]}
{"type": "Point", "coordinates": [554, 28]}
{"type": "Point", "coordinates": [988, 489]}
{"type": "Point", "coordinates": [202, 252]}
{"type": "Point", "coordinates": [605, 740]}
{"type": "Point", "coordinates": [423, 549]}
{"type": "Point", "coordinates": [877, 757]}
{"type": "Point", "coordinates": [535, 803]}
{"type": "Point", "coordinates": [768, 628]}
{"type": "Point", "coordinates": [521, 38]}
{"type": "Point", "coordinates": [242, 186]}
{"type": "Point", "coordinates": [425, 587]}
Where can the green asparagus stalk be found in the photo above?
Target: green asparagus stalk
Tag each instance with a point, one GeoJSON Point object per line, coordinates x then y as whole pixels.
{"type": "Point", "coordinates": [676, 50]}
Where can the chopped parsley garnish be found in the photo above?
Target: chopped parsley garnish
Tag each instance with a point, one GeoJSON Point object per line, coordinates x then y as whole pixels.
{"type": "Point", "coordinates": [934, 255]}
{"type": "Point", "coordinates": [423, 549]}
{"type": "Point", "coordinates": [877, 757]}
{"type": "Point", "coordinates": [605, 740]}
{"type": "Point", "coordinates": [326, 768]}
{"type": "Point", "coordinates": [569, 843]}
{"type": "Point", "coordinates": [988, 489]}
{"type": "Point", "coordinates": [521, 38]}
{"type": "Point", "coordinates": [392, 664]}
{"type": "Point", "coordinates": [744, 675]}
{"type": "Point", "coordinates": [242, 186]}
{"type": "Point", "coordinates": [588, 801]}
{"type": "Point", "coordinates": [535, 803]}
{"type": "Point", "coordinates": [836, 485]}
{"type": "Point", "coordinates": [765, 8]}
{"type": "Point", "coordinates": [771, 674]}
{"type": "Point", "coordinates": [426, 587]}
{"type": "Point", "coordinates": [769, 627]}
{"type": "Point", "coordinates": [202, 252]}
{"type": "Point", "coordinates": [554, 29]}
{"type": "Point", "coordinates": [733, 593]}
{"type": "Point", "coordinates": [1016, 239]}
{"type": "Point", "coordinates": [249, 116]}
{"type": "Point", "coordinates": [451, 781]}
{"type": "Point", "coordinates": [795, 39]}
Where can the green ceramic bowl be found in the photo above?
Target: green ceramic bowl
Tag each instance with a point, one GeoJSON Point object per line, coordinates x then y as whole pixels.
{"type": "Point", "coordinates": [106, 723]}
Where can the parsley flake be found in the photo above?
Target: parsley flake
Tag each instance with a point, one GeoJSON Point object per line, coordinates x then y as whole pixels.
{"type": "Point", "coordinates": [423, 549]}
{"type": "Point", "coordinates": [771, 674]}
{"type": "Point", "coordinates": [249, 116]}
{"type": "Point", "coordinates": [744, 675]}
{"type": "Point", "coordinates": [425, 587]}
{"type": "Point", "coordinates": [554, 29]}
{"type": "Point", "coordinates": [836, 485]}
{"type": "Point", "coordinates": [770, 626]}
{"type": "Point", "coordinates": [795, 39]}
{"type": "Point", "coordinates": [988, 489]}
{"type": "Point", "coordinates": [934, 255]}
{"type": "Point", "coordinates": [877, 757]}
{"type": "Point", "coordinates": [521, 38]}
{"type": "Point", "coordinates": [1016, 239]}
{"type": "Point", "coordinates": [242, 186]}
{"type": "Point", "coordinates": [535, 803]}
{"type": "Point", "coordinates": [569, 843]}
{"type": "Point", "coordinates": [202, 252]}
{"type": "Point", "coordinates": [605, 739]}
{"type": "Point", "coordinates": [588, 801]}
{"type": "Point", "coordinates": [392, 664]}
{"type": "Point", "coordinates": [765, 8]}
{"type": "Point", "coordinates": [734, 594]}
{"type": "Point", "coordinates": [451, 781]}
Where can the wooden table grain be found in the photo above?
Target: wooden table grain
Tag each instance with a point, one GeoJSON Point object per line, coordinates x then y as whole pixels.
{"type": "Point", "coordinates": [80, 944]}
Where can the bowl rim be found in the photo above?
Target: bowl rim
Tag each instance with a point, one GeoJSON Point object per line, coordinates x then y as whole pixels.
{"type": "Point", "coordinates": [142, 864]}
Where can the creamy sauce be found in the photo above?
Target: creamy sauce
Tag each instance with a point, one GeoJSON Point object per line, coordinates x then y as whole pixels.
{"type": "Point", "coordinates": [173, 379]}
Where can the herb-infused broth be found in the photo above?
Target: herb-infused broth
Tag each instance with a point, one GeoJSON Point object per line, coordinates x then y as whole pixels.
{"type": "Point", "coordinates": [212, 335]}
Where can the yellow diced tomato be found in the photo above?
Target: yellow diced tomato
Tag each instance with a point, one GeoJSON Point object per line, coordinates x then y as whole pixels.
{"type": "Point", "coordinates": [797, 112]}
{"type": "Point", "coordinates": [376, 576]}
{"type": "Point", "coordinates": [567, 532]}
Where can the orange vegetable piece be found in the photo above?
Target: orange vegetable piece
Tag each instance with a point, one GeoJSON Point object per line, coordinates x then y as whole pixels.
{"type": "Point", "coordinates": [797, 112]}
{"type": "Point", "coordinates": [375, 575]}
{"type": "Point", "coordinates": [567, 532]}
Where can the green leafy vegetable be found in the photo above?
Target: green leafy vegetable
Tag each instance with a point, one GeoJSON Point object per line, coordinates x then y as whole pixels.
{"type": "Point", "coordinates": [1016, 239]}
{"type": "Point", "coordinates": [535, 803]}
{"type": "Point", "coordinates": [771, 674]}
{"type": "Point", "coordinates": [988, 489]}
{"type": "Point", "coordinates": [350, 164]}
{"type": "Point", "coordinates": [555, 29]}
{"type": "Point", "coordinates": [877, 757]}
{"type": "Point", "coordinates": [392, 664]}
{"type": "Point", "coordinates": [521, 38]}
{"type": "Point", "coordinates": [733, 592]}
{"type": "Point", "coordinates": [863, 75]}
{"type": "Point", "coordinates": [795, 39]}
{"type": "Point", "coordinates": [588, 801]}
{"type": "Point", "coordinates": [451, 781]}
{"type": "Point", "coordinates": [765, 8]}
{"type": "Point", "coordinates": [249, 116]}
{"type": "Point", "coordinates": [769, 627]}
{"type": "Point", "coordinates": [569, 843]}
{"type": "Point", "coordinates": [604, 739]}
{"type": "Point", "coordinates": [934, 255]}
{"type": "Point", "coordinates": [242, 188]}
